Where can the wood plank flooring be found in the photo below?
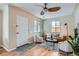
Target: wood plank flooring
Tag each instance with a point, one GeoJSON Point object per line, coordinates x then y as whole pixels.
{"type": "Point", "coordinates": [40, 51]}
{"type": "Point", "coordinates": [36, 50]}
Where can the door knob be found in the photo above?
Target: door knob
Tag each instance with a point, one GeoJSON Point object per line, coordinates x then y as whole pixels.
{"type": "Point", "coordinates": [17, 25]}
{"type": "Point", "coordinates": [17, 33]}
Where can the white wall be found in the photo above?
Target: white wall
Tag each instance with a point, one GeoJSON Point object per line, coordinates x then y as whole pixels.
{"type": "Point", "coordinates": [5, 26]}
{"type": "Point", "coordinates": [76, 15]}
{"type": "Point", "coordinates": [67, 19]}
{"type": "Point", "coordinates": [47, 26]}
{"type": "Point", "coordinates": [0, 28]}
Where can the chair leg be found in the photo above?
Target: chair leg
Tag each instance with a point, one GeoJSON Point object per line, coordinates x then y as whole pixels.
{"type": "Point", "coordinates": [57, 47]}
{"type": "Point", "coordinates": [54, 46]}
{"type": "Point", "coordinates": [46, 44]}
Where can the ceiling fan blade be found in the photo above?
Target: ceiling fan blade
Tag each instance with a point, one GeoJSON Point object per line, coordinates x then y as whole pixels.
{"type": "Point", "coordinates": [54, 9]}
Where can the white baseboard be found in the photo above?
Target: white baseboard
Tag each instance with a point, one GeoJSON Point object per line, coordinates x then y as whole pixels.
{"type": "Point", "coordinates": [8, 49]}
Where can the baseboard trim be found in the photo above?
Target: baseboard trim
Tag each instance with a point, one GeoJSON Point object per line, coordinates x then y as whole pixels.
{"type": "Point", "coordinates": [8, 49]}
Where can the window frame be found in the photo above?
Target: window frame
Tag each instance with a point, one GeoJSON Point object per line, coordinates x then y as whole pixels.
{"type": "Point", "coordinates": [59, 26]}
{"type": "Point", "coordinates": [37, 26]}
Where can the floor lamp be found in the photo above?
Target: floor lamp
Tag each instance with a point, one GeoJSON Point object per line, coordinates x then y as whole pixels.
{"type": "Point", "coordinates": [66, 28]}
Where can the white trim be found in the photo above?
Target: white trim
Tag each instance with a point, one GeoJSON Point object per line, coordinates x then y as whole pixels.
{"type": "Point", "coordinates": [8, 49]}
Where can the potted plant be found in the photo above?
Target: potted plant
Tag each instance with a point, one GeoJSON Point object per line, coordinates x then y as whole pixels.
{"type": "Point", "coordinates": [75, 46]}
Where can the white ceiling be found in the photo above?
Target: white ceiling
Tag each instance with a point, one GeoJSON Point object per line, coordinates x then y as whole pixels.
{"type": "Point", "coordinates": [66, 9]}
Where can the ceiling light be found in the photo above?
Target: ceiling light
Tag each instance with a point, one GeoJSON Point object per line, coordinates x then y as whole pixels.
{"type": "Point", "coordinates": [42, 13]}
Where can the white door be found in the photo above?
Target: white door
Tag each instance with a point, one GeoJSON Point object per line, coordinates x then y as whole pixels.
{"type": "Point", "coordinates": [21, 30]}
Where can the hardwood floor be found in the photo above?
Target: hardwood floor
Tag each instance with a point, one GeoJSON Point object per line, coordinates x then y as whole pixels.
{"type": "Point", "coordinates": [36, 50]}
{"type": "Point", "coordinates": [40, 51]}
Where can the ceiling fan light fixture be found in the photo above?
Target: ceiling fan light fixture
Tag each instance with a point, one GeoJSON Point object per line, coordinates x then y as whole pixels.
{"type": "Point", "coordinates": [42, 13]}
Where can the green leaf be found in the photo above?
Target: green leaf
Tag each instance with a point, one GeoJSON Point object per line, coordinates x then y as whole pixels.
{"type": "Point", "coordinates": [75, 48]}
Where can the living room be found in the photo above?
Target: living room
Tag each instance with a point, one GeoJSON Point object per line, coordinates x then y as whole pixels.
{"type": "Point", "coordinates": [30, 24]}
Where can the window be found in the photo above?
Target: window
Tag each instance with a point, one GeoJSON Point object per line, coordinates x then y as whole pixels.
{"type": "Point", "coordinates": [36, 26]}
{"type": "Point", "coordinates": [55, 26]}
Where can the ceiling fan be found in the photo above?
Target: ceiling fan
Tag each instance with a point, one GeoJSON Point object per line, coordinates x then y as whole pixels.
{"type": "Point", "coordinates": [46, 9]}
